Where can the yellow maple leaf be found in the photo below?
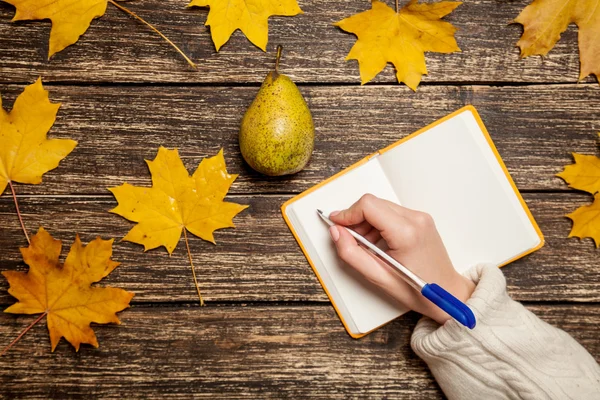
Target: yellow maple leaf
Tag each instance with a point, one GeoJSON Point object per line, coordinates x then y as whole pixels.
{"type": "Point", "coordinates": [63, 292]}
{"type": "Point", "coordinates": [178, 202]}
{"type": "Point", "coordinates": [25, 152]}
{"type": "Point", "coordinates": [70, 19]}
{"type": "Point", "coordinates": [249, 16]}
{"type": "Point", "coordinates": [584, 174]}
{"type": "Point", "coordinates": [586, 221]}
{"type": "Point", "coordinates": [401, 38]}
{"type": "Point", "coordinates": [544, 20]}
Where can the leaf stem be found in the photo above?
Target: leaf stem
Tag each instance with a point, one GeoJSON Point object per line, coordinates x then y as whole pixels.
{"type": "Point", "coordinates": [12, 189]}
{"type": "Point", "coordinates": [23, 333]}
{"type": "Point", "coordinates": [187, 244]}
{"type": "Point", "coordinates": [279, 50]}
{"type": "Point", "coordinates": [120, 7]}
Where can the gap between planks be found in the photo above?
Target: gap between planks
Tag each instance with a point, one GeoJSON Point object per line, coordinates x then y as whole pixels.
{"type": "Point", "coordinates": [312, 304]}
{"type": "Point", "coordinates": [233, 194]}
{"type": "Point", "coordinates": [110, 84]}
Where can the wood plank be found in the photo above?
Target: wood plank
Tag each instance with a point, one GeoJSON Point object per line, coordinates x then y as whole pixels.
{"type": "Point", "coordinates": [260, 260]}
{"type": "Point", "coordinates": [535, 129]}
{"type": "Point", "coordinates": [241, 352]}
{"type": "Point", "coordinates": [119, 49]}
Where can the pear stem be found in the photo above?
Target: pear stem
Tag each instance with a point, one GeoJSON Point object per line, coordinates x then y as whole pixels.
{"type": "Point", "coordinates": [397, 7]}
{"type": "Point", "coordinates": [279, 50]}
{"type": "Point", "coordinates": [12, 189]}
{"type": "Point", "coordinates": [187, 244]}
{"type": "Point", "coordinates": [23, 333]}
{"type": "Point", "coordinates": [125, 10]}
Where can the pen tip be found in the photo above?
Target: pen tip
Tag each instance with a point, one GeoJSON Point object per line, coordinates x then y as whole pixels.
{"type": "Point", "coordinates": [319, 211]}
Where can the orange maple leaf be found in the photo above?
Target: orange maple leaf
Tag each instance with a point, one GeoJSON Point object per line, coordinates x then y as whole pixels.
{"type": "Point", "coordinates": [178, 202]}
{"type": "Point", "coordinates": [544, 20]}
{"type": "Point", "coordinates": [63, 292]}
{"type": "Point", "coordinates": [400, 37]}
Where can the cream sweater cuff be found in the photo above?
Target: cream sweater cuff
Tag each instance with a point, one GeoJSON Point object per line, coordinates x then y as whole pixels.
{"type": "Point", "coordinates": [510, 354]}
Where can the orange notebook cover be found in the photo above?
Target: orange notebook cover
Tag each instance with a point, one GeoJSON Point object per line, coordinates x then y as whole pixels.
{"type": "Point", "coordinates": [450, 169]}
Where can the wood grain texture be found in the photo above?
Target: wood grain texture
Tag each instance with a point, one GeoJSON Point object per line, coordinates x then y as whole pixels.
{"type": "Point", "coordinates": [238, 352]}
{"type": "Point", "coordinates": [117, 48]}
{"type": "Point", "coordinates": [260, 260]}
{"type": "Point", "coordinates": [534, 127]}
{"type": "Point", "coordinates": [268, 330]}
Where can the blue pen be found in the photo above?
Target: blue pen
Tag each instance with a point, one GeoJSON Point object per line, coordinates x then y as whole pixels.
{"type": "Point", "coordinates": [433, 292]}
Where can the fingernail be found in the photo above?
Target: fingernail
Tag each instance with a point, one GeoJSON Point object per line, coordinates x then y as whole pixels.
{"type": "Point", "coordinates": [335, 234]}
{"type": "Point", "coordinates": [333, 214]}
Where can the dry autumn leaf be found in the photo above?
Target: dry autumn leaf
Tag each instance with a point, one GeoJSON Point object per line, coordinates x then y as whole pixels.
{"type": "Point", "coordinates": [400, 37]}
{"type": "Point", "coordinates": [544, 20]}
{"type": "Point", "coordinates": [586, 221]}
{"type": "Point", "coordinates": [63, 292]}
{"type": "Point", "coordinates": [249, 16]}
{"type": "Point", "coordinates": [178, 202]}
{"type": "Point", "coordinates": [26, 154]}
{"type": "Point", "coordinates": [585, 175]}
{"type": "Point", "coordinates": [71, 19]}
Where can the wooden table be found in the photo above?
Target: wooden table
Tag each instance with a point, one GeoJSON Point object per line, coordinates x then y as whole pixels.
{"type": "Point", "coordinates": [268, 329]}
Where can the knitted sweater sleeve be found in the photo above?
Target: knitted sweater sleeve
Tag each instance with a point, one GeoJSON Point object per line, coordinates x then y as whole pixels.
{"type": "Point", "coordinates": [510, 354]}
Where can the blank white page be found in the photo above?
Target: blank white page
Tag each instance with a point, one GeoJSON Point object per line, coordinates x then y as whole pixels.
{"type": "Point", "coordinates": [361, 304]}
{"type": "Point", "coordinates": [451, 172]}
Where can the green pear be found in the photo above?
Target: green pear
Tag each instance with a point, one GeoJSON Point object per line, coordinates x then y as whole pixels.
{"type": "Point", "coordinates": [277, 134]}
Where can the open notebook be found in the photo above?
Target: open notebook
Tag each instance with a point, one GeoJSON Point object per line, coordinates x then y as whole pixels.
{"type": "Point", "coordinates": [451, 170]}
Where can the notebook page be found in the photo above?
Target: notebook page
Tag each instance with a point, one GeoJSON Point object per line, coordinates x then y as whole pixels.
{"type": "Point", "coordinates": [451, 172]}
{"type": "Point", "coordinates": [366, 306]}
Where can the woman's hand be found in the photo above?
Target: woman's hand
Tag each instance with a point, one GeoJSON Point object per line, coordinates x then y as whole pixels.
{"type": "Point", "coordinates": [413, 240]}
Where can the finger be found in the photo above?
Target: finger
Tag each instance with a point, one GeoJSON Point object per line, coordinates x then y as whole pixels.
{"type": "Point", "coordinates": [373, 236]}
{"type": "Point", "coordinates": [350, 252]}
{"type": "Point", "coordinates": [378, 212]}
{"type": "Point", "coordinates": [393, 222]}
{"type": "Point", "coordinates": [362, 229]}
{"type": "Point", "coordinates": [371, 268]}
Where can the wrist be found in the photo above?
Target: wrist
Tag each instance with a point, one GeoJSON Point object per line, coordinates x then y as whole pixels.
{"type": "Point", "coordinates": [460, 287]}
